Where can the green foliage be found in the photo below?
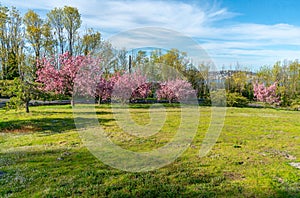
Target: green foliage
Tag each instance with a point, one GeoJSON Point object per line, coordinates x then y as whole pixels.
{"type": "Point", "coordinates": [55, 21]}
{"type": "Point", "coordinates": [295, 104]}
{"type": "Point", "coordinates": [72, 22]}
{"type": "Point", "coordinates": [25, 39]}
{"type": "Point", "coordinates": [91, 40]}
{"type": "Point", "coordinates": [15, 103]}
{"type": "Point", "coordinates": [218, 98]}
{"type": "Point", "coordinates": [197, 81]}
{"type": "Point", "coordinates": [236, 100]}
{"type": "Point", "coordinates": [6, 88]}
{"type": "Point", "coordinates": [248, 91]}
{"type": "Point", "coordinates": [34, 31]}
{"type": "Point", "coordinates": [12, 44]}
{"type": "Point", "coordinates": [287, 76]}
{"type": "Point", "coordinates": [12, 70]}
{"type": "Point", "coordinates": [20, 93]}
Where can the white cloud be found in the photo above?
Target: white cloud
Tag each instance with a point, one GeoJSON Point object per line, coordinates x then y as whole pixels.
{"type": "Point", "coordinates": [249, 44]}
{"type": "Point", "coordinates": [118, 15]}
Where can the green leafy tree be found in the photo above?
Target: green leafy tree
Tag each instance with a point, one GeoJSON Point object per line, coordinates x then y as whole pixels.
{"type": "Point", "coordinates": [21, 92]}
{"type": "Point", "coordinates": [71, 22]}
{"type": "Point", "coordinates": [11, 42]}
{"type": "Point", "coordinates": [34, 31]}
{"type": "Point", "coordinates": [236, 100]}
{"type": "Point", "coordinates": [48, 40]}
{"type": "Point", "coordinates": [56, 22]}
{"type": "Point", "coordinates": [140, 58]}
{"type": "Point", "coordinates": [4, 17]}
{"type": "Point", "coordinates": [91, 41]}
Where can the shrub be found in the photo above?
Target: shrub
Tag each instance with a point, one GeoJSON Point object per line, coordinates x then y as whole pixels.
{"type": "Point", "coordinates": [296, 104]}
{"type": "Point", "coordinates": [236, 100]}
{"type": "Point", "coordinates": [218, 98]}
{"type": "Point", "coordinates": [6, 87]}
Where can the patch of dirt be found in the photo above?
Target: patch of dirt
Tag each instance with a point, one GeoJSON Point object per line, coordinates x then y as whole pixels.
{"type": "Point", "coordinates": [279, 179]}
{"type": "Point", "coordinates": [244, 114]}
{"type": "Point", "coordinates": [284, 154]}
{"type": "Point", "coordinates": [22, 129]}
{"type": "Point", "coordinates": [295, 164]}
{"type": "Point", "coordinates": [63, 142]}
{"type": "Point", "coordinates": [268, 115]}
{"type": "Point", "coordinates": [233, 176]}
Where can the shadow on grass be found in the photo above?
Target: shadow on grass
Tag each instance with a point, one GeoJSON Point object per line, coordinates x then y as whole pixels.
{"type": "Point", "coordinates": [140, 106]}
{"type": "Point", "coordinates": [75, 172]}
{"type": "Point", "coordinates": [71, 113]}
{"type": "Point", "coordinates": [44, 125]}
{"type": "Point", "coordinates": [78, 173]}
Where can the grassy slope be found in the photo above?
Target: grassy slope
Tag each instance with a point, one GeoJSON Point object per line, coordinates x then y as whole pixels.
{"type": "Point", "coordinates": [41, 154]}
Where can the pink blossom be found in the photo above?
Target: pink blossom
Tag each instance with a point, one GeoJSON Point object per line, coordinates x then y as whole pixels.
{"type": "Point", "coordinates": [266, 94]}
{"type": "Point", "coordinates": [81, 71]}
{"type": "Point", "coordinates": [175, 90]}
{"type": "Point", "coordinates": [131, 86]}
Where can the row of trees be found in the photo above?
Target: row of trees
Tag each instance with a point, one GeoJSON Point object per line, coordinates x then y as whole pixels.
{"type": "Point", "coordinates": [287, 76]}
{"type": "Point", "coordinates": [280, 82]}
{"type": "Point", "coordinates": [25, 39]}
{"type": "Point", "coordinates": [45, 58]}
{"type": "Point", "coordinates": [72, 75]}
{"type": "Point", "coordinates": [82, 76]}
{"type": "Point", "coordinates": [85, 74]}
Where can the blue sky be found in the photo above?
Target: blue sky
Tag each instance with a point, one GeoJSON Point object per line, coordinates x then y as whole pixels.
{"type": "Point", "coordinates": [251, 32]}
{"type": "Point", "coordinates": [264, 12]}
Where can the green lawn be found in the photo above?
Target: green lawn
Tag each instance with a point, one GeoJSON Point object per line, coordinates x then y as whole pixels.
{"type": "Point", "coordinates": [41, 155]}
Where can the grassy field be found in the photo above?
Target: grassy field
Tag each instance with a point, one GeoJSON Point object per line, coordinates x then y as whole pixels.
{"type": "Point", "coordinates": [41, 155]}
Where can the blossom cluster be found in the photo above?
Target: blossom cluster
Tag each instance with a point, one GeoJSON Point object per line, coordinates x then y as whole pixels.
{"type": "Point", "coordinates": [266, 94]}
{"type": "Point", "coordinates": [83, 75]}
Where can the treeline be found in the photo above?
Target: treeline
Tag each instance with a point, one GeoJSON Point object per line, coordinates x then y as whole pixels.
{"type": "Point", "coordinates": [282, 80]}
{"type": "Point", "coordinates": [287, 76]}
{"type": "Point", "coordinates": [26, 41]}
{"type": "Point", "coordinates": [277, 85]}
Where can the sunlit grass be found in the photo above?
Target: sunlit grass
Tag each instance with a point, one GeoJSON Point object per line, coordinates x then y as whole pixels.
{"type": "Point", "coordinates": [41, 155]}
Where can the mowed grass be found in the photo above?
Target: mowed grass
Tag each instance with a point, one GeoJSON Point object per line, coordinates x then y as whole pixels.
{"type": "Point", "coordinates": [42, 155]}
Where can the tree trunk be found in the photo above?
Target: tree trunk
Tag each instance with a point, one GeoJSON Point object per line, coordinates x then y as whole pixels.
{"type": "Point", "coordinates": [27, 106]}
{"type": "Point", "coordinates": [72, 102]}
{"type": "Point", "coordinates": [71, 47]}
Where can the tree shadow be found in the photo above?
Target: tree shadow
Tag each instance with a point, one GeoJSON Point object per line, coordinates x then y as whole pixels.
{"type": "Point", "coordinates": [71, 113]}
{"type": "Point", "coordinates": [68, 169]}
{"type": "Point", "coordinates": [45, 125]}
{"type": "Point", "coordinates": [146, 106]}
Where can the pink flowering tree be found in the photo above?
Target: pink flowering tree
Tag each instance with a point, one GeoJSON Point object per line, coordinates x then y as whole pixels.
{"type": "Point", "coordinates": [266, 94]}
{"type": "Point", "coordinates": [130, 87]}
{"type": "Point", "coordinates": [105, 87]}
{"type": "Point", "coordinates": [73, 70]}
{"type": "Point", "coordinates": [88, 77]}
{"type": "Point", "coordinates": [175, 90]}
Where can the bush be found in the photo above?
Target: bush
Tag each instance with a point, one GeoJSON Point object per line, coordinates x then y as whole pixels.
{"type": "Point", "coordinates": [236, 100]}
{"type": "Point", "coordinates": [5, 88]}
{"type": "Point", "coordinates": [296, 104]}
{"type": "Point", "coordinates": [14, 103]}
{"type": "Point", "coordinates": [218, 98]}
{"type": "Point", "coordinates": [204, 101]}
